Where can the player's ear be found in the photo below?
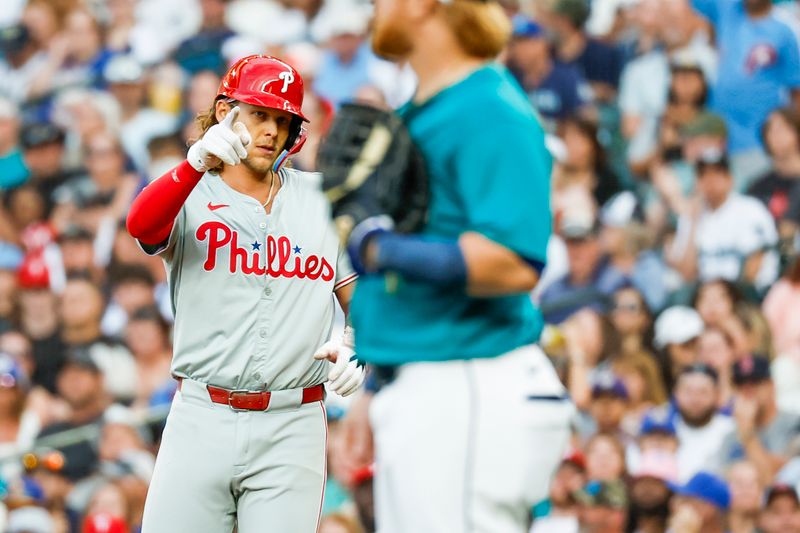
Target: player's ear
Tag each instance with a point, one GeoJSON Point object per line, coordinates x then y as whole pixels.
{"type": "Point", "coordinates": [221, 108]}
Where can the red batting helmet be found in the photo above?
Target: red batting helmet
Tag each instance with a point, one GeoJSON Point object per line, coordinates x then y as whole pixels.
{"type": "Point", "coordinates": [264, 81]}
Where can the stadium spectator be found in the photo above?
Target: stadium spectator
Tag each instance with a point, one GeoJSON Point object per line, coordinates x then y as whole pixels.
{"type": "Point", "coordinates": [700, 505]}
{"type": "Point", "coordinates": [558, 91]}
{"type": "Point", "coordinates": [701, 430]}
{"type": "Point", "coordinates": [650, 492]}
{"type": "Point", "coordinates": [708, 248]}
{"type": "Point", "coordinates": [759, 67]}
{"type": "Point", "coordinates": [591, 278]}
{"type": "Point", "coordinates": [717, 351]}
{"type": "Point", "coordinates": [763, 432]}
{"type": "Point", "coordinates": [781, 512]}
{"type": "Point", "coordinates": [603, 507]}
{"type": "Point", "coordinates": [560, 512]}
{"type": "Point", "coordinates": [746, 493]}
{"type": "Point", "coordinates": [599, 63]}
{"type": "Point", "coordinates": [677, 331]}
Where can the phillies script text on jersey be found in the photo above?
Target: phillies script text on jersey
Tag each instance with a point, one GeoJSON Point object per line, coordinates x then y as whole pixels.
{"type": "Point", "coordinates": [278, 255]}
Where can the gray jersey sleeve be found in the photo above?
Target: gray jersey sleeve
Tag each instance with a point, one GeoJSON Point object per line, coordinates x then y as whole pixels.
{"type": "Point", "coordinates": [345, 274]}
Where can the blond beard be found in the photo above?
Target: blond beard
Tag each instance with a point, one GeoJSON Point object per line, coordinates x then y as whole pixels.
{"type": "Point", "coordinates": [391, 42]}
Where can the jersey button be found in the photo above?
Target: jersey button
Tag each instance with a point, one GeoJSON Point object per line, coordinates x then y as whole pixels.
{"type": "Point", "coordinates": [262, 225]}
{"type": "Point", "coordinates": [262, 333]}
{"type": "Point", "coordinates": [267, 291]}
{"type": "Point", "coordinates": [257, 376]}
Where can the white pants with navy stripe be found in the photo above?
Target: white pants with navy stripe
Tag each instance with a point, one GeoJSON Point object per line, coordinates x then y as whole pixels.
{"type": "Point", "coordinates": [262, 470]}
{"type": "Point", "coordinates": [468, 446]}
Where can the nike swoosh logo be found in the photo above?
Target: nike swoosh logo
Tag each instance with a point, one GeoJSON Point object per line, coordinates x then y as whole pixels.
{"type": "Point", "coordinates": [175, 177]}
{"type": "Point", "coordinates": [213, 207]}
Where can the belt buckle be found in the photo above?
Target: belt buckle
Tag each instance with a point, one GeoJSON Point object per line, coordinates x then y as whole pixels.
{"type": "Point", "coordinates": [239, 393]}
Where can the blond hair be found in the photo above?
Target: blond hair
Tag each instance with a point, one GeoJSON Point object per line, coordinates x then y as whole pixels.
{"type": "Point", "coordinates": [481, 28]}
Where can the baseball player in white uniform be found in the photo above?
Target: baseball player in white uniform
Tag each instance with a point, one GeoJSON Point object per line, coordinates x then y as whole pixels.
{"type": "Point", "coordinates": [253, 262]}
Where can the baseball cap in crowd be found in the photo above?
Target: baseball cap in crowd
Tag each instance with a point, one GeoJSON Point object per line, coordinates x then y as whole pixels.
{"type": "Point", "coordinates": [577, 11]}
{"type": "Point", "coordinates": [525, 28]}
{"type": "Point", "coordinates": [659, 465]}
{"type": "Point", "coordinates": [620, 210]}
{"type": "Point", "coordinates": [607, 384]}
{"type": "Point", "coordinates": [657, 421]}
{"type": "Point", "coordinates": [603, 494]}
{"type": "Point", "coordinates": [577, 225]}
{"type": "Point", "coordinates": [712, 157]}
{"type": "Point", "coordinates": [30, 520]}
{"type": "Point", "coordinates": [780, 489]}
{"type": "Point", "coordinates": [345, 19]}
{"type": "Point", "coordinates": [576, 459]}
{"type": "Point", "coordinates": [751, 369]}
{"type": "Point", "coordinates": [104, 523]}
{"type": "Point", "coordinates": [685, 60]}
{"type": "Point", "coordinates": [677, 325]}
{"type": "Point", "coordinates": [123, 68]}
{"type": "Point", "coordinates": [706, 487]}
{"type": "Point", "coordinates": [40, 134]}
{"type": "Point", "coordinates": [706, 123]}
{"type": "Point", "coordinates": [81, 358]}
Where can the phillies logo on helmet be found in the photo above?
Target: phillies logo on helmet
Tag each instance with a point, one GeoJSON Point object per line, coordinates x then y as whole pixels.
{"type": "Point", "coordinates": [288, 77]}
{"type": "Point", "coordinates": [276, 261]}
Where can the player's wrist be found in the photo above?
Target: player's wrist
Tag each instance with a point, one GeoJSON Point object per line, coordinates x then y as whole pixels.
{"type": "Point", "coordinates": [360, 244]}
{"type": "Point", "coordinates": [197, 157]}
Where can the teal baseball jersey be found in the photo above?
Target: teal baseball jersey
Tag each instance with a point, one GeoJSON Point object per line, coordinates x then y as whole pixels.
{"type": "Point", "coordinates": [489, 173]}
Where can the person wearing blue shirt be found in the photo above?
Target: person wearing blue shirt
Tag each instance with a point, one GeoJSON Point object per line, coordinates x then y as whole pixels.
{"type": "Point", "coordinates": [474, 421]}
{"type": "Point", "coordinates": [599, 63]}
{"type": "Point", "coordinates": [341, 75]}
{"type": "Point", "coordinates": [556, 90]}
{"type": "Point", "coordinates": [759, 71]}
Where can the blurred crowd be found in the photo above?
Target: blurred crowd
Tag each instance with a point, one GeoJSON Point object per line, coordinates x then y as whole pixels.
{"type": "Point", "coordinates": [671, 294]}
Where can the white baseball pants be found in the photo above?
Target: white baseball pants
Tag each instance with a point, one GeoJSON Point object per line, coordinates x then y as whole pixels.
{"type": "Point", "coordinates": [468, 446]}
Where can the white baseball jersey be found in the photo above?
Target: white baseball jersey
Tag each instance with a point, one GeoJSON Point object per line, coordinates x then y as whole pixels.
{"type": "Point", "coordinates": [252, 293]}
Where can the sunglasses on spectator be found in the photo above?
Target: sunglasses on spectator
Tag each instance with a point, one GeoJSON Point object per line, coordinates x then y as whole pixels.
{"type": "Point", "coordinates": [95, 152]}
{"type": "Point", "coordinates": [630, 307]}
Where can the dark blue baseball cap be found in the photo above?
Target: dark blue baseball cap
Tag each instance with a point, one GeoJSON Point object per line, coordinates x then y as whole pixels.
{"type": "Point", "coordinates": [657, 421]}
{"type": "Point", "coordinates": [525, 27]}
{"type": "Point", "coordinates": [607, 384]}
{"type": "Point", "coordinates": [706, 487]}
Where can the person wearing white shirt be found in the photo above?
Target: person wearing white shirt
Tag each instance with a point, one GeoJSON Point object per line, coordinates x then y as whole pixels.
{"type": "Point", "coordinates": [727, 235]}
{"type": "Point", "coordinates": [701, 430]}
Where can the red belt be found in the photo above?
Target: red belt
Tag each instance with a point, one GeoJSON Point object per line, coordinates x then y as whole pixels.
{"type": "Point", "coordinates": [242, 400]}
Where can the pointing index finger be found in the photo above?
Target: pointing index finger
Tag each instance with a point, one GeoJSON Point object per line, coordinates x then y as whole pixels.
{"type": "Point", "coordinates": [231, 117]}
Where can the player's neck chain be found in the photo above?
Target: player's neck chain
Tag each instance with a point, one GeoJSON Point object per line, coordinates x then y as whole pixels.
{"type": "Point", "coordinates": [271, 188]}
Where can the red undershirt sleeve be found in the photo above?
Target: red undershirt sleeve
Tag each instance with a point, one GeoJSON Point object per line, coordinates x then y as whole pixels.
{"type": "Point", "coordinates": [154, 210]}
